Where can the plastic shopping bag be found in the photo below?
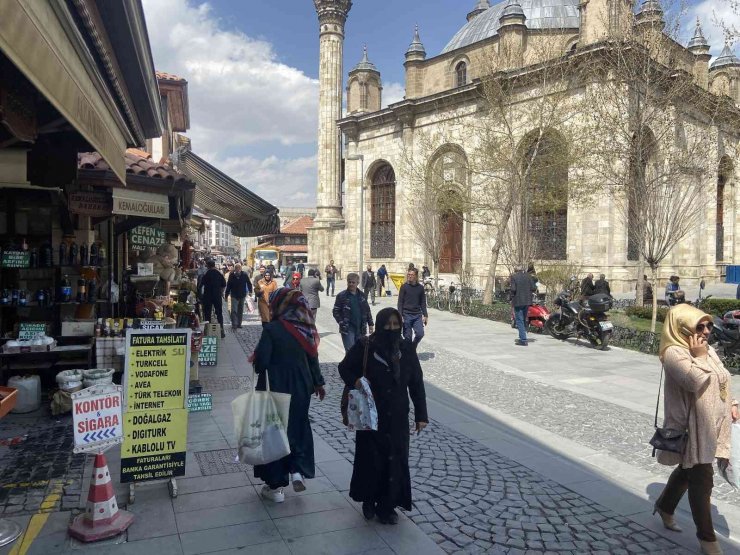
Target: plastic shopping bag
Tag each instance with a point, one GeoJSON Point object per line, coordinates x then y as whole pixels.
{"type": "Point", "coordinates": [250, 305]}
{"type": "Point", "coordinates": [261, 425]}
{"type": "Point", "coordinates": [731, 472]}
{"type": "Point", "coordinates": [362, 415]}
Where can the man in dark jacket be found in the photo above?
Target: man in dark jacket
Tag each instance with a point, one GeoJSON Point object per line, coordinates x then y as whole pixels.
{"type": "Point", "coordinates": [352, 313]}
{"type": "Point", "coordinates": [602, 286]}
{"type": "Point", "coordinates": [311, 286]}
{"type": "Point", "coordinates": [331, 277]}
{"type": "Point", "coordinates": [368, 283]}
{"type": "Point", "coordinates": [382, 274]}
{"type": "Point", "coordinates": [587, 286]}
{"type": "Point", "coordinates": [412, 304]}
{"type": "Point", "coordinates": [522, 288]}
{"type": "Point", "coordinates": [238, 286]}
{"type": "Point", "coordinates": [211, 291]}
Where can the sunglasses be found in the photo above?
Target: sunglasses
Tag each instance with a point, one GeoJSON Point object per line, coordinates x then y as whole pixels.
{"type": "Point", "coordinates": [701, 327]}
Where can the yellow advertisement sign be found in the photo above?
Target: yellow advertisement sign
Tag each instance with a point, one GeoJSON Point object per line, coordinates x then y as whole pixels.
{"type": "Point", "coordinates": [154, 445]}
{"type": "Point", "coordinates": [398, 280]}
{"type": "Point", "coordinates": [156, 368]}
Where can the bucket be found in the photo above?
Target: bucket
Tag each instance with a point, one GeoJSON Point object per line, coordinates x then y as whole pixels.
{"type": "Point", "coordinates": [29, 393]}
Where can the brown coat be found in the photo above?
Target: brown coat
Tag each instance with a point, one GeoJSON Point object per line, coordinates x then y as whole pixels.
{"type": "Point", "coordinates": [264, 290]}
{"type": "Point", "coordinates": [692, 396]}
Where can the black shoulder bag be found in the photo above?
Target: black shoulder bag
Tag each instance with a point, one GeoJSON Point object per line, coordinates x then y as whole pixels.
{"type": "Point", "coordinates": [668, 439]}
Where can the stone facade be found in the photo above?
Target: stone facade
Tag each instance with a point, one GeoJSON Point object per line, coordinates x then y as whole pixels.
{"type": "Point", "coordinates": [439, 95]}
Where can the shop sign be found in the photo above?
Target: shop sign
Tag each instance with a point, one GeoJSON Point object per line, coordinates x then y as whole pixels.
{"type": "Point", "coordinates": [96, 416]}
{"type": "Point", "coordinates": [200, 402]}
{"type": "Point", "coordinates": [29, 330]}
{"type": "Point", "coordinates": [144, 237]}
{"type": "Point", "coordinates": [15, 259]}
{"type": "Point", "coordinates": [208, 355]}
{"type": "Point", "coordinates": [139, 203]}
{"type": "Point", "coordinates": [151, 325]}
{"type": "Point", "coordinates": [156, 380]}
{"type": "Point", "coordinates": [89, 203]}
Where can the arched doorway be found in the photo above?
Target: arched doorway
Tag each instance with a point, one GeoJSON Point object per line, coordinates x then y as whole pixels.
{"type": "Point", "coordinates": [448, 180]}
{"type": "Point", "coordinates": [383, 213]}
{"type": "Point", "coordinates": [724, 174]}
{"type": "Point", "coordinates": [451, 231]}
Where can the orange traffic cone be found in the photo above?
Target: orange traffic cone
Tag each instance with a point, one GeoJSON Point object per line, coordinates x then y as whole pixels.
{"type": "Point", "coordinates": [102, 518]}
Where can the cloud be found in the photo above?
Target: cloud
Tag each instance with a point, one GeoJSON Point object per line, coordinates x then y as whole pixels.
{"type": "Point", "coordinates": [393, 92]}
{"type": "Point", "coordinates": [716, 16]}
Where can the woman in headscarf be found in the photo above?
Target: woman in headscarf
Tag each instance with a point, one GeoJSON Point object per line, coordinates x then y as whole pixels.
{"type": "Point", "coordinates": [264, 288]}
{"type": "Point", "coordinates": [288, 352]}
{"type": "Point", "coordinates": [697, 398]}
{"type": "Point", "coordinates": [380, 476]}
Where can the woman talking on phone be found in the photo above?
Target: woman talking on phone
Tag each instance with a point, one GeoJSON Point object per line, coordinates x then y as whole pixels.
{"type": "Point", "coordinates": [697, 399]}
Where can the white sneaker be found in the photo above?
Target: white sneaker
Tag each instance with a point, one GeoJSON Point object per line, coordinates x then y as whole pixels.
{"type": "Point", "coordinates": [298, 484]}
{"type": "Point", "coordinates": [275, 495]}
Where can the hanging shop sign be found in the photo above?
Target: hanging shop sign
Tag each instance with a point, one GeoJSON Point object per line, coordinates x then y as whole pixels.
{"type": "Point", "coordinates": [29, 330]}
{"type": "Point", "coordinates": [89, 203]}
{"type": "Point", "coordinates": [208, 355]}
{"type": "Point", "coordinates": [96, 417]}
{"type": "Point", "coordinates": [156, 386]}
{"type": "Point", "coordinates": [140, 203]}
{"type": "Point", "coordinates": [144, 237]}
{"type": "Point", "coordinates": [15, 259]}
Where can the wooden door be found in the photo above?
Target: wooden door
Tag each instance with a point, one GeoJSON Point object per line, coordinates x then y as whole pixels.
{"type": "Point", "coordinates": [452, 239]}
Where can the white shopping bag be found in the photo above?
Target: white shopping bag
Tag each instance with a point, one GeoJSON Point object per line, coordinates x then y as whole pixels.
{"type": "Point", "coordinates": [261, 425]}
{"type": "Point", "coordinates": [362, 415]}
{"type": "Point", "coordinates": [731, 472]}
{"type": "Point", "coordinates": [250, 305]}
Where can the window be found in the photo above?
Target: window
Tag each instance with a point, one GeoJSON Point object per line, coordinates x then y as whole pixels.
{"type": "Point", "coordinates": [383, 213]}
{"type": "Point", "coordinates": [363, 96]}
{"type": "Point", "coordinates": [461, 74]}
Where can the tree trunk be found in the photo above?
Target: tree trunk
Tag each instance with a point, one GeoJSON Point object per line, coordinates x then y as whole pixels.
{"type": "Point", "coordinates": [491, 279]}
{"type": "Point", "coordinates": [655, 298]}
{"type": "Point", "coordinates": [640, 292]}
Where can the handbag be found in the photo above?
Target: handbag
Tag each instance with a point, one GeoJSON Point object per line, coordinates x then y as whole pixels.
{"type": "Point", "coordinates": [261, 424]}
{"type": "Point", "coordinates": [362, 415]}
{"type": "Point", "coordinates": [344, 405]}
{"type": "Point", "coordinates": [668, 439]}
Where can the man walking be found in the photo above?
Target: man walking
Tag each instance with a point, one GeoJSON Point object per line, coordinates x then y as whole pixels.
{"type": "Point", "coordinates": [602, 286]}
{"type": "Point", "coordinates": [412, 304]}
{"type": "Point", "coordinates": [211, 290]}
{"type": "Point", "coordinates": [382, 274]}
{"type": "Point", "coordinates": [368, 283]}
{"type": "Point", "coordinates": [522, 288]}
{"type": "Point", "coordinates": [256, 279]}
{"type": "Point", "coordinates": [331, 277]}
{"type": "Point", "coordinates": [311, 287]}
{"type": "Point", "coordinates": [238, 286]}
{"type": "Point", "coordinates": [587, 286]}
{"type": "Point", "coordinates": [352, 313]}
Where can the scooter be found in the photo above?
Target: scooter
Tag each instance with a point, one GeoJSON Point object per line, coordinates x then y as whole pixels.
{"type": "Point", "coordinates": [537, 315]}
{"type": "Point", "coordinates": [589, 321]}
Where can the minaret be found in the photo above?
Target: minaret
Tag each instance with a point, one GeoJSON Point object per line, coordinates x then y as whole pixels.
{"type": "Point", "coordinates": [332, 16]}
{"type": "Point", "coordinates": [699, 47]}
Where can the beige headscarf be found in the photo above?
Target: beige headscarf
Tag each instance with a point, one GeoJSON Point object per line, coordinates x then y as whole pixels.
{"type": "Point", "coordinates": [680, 316]}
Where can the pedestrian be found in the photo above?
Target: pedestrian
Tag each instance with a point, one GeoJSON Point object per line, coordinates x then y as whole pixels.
{"type": "Point", "coordinates": [289, 276]}
{"type": "Point", "coordinates": [647, 290]}
{"type": "Point", "coordinates": [522, 288]}
{"type": "Point", "coordinates": [412, 305]}
{"type": "Point", "coordinates": [672, 289]}
{"type": "Point", "coordinates": [352, 313]}
{"type": "Point", "coordinates": [295, 280]}
{"type": "Point", "coordinates": [311, 287]}
{"type": "Point", "coordinates": [300, 267]}
{"type": "Point", "coordinates": [602, 286]}
{"type": "Point", "coordinates": [264, 288]}
{"type": "Point", "coordinates": [587, 286]}
{"type": "Point", "coordinates": [380, 473]}
{"type": "Point", "coordinates": [287, 354]}
{"type": "Point", "coordinates": [411, 267]}
{"type": "Point", "coordinates": [211, 291]}
{"type": "Point", "coordinates": [368, 283]}
{"type": "Point", "coordinates": [696, 398]}
{"type": "Point", "coordinates": [238, 286]}
{"type": "Point", "coordinates": [382, 275]}
{"type": "Point", "coordinates": [331, 277]}
{"type": "Point", "coordinates": [260, 274]}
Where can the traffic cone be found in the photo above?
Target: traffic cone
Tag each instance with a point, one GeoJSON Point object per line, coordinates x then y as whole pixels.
{"type": "Point", "coordinates": [102, 518]}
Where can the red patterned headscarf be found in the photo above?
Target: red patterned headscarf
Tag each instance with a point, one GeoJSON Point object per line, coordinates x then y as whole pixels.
{"type": "Point", "coordinates": [290, 308]}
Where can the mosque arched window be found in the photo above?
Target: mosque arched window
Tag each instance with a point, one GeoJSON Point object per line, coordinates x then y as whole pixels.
{"type": "Point", "coordinates": [363, 96]}
{"type": "Point", "coordinates": [461, 74]}
{"type": "Point", "coordinates": [383, 213]}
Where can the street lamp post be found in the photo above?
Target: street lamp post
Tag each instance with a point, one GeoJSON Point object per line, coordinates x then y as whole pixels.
{"type": "Point", "coordinates": [361, 158]}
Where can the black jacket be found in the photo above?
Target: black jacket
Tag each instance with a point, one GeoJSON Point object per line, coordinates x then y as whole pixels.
{"type": "Point", "coordinates": [368, 280]}
{"type": "Point", "coordinates": [522, 287]}
{"type": "Point", "coordinates": [587, 287]}
{"type": "Point", "coordinates": [238, 286]}
{"type": "Point", "coordinates": [343, 308]}
{"type": "Point", "coordinates": [602, 286]}
{"type": "Point", "coordinates": [211, 284]}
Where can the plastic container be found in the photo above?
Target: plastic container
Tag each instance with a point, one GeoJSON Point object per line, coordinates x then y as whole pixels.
{"type": "Point", "coordinates": [28, 398]}
{"type": "Point", "coordinates": [69, 380]}
{"type": "Point", "coordinates": [97, 376]}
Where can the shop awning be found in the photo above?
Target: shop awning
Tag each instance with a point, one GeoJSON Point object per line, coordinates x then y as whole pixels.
{"type": "Point", "coordinates": [219, 195]}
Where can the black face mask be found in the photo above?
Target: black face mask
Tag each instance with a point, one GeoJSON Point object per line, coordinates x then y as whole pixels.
{"type": "Point", "coordinates": [389, 337]}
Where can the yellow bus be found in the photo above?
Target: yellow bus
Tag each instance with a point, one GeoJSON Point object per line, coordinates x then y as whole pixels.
{"type": "Point", "coordinates": [263, 256]}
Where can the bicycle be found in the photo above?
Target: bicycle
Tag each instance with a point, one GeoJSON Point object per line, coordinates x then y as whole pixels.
{"type": "Point", "coordinates": [461, 297]}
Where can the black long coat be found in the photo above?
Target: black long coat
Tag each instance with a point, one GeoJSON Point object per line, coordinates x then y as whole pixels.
{"type": "Point", "coordinates": [381, 468]}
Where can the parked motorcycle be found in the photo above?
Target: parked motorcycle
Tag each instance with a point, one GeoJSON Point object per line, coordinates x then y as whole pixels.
{"type": "Point", "coordinates": [589, 321]}
{"type": "Point", "coordinates": [725, 336]}
{"type": "Point", "coordinates": [537, 314]}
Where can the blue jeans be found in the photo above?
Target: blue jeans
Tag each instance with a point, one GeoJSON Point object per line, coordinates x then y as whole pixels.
{"type": "Point", "coordinates": [520, 317]}
{"type": "Point", "coordinates": [413, 328]}
{"type": "Point", "coordinates": [349, 339]}
{"type": "Point", "coordinates": [330, 285]}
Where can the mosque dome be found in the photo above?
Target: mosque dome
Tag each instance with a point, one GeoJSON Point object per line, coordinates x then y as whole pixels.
{"type": "Point", "coordinates": [540, 14]}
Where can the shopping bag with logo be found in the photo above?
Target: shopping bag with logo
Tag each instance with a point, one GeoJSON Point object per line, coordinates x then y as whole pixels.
{"type": "Point", "coordinates": [261, 424]}
{"type": "Point", "coordinates": [362, 415]}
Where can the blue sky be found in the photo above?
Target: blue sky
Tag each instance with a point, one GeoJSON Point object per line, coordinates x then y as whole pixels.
{"type": "Point", "coordinates": [252, 71]}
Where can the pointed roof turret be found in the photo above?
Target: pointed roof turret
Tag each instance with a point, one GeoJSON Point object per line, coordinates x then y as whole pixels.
{"type": "Point", "coordinates": [416, 48]}
{"type": "Point", "coordinates": [651, 7]}
{"type": "Point", "coordinates": [512, 11]}
{"type": "Point", "coordinates": [365, 64]}
{"type": "Point", "coordinates": [726, 58]}
{"type": "Point", "coordinates": [482, 6]}
{"type": "Point", "coordinates": [698, 40]}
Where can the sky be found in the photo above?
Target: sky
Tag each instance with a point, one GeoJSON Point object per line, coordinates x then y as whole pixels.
{"type": "Point", "coordinates": [252, 66]}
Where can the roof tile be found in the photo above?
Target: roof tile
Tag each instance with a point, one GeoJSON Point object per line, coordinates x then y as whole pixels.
{"type": "Point", "coordinates": [298, 227]}
{"type": "Point", "coordinates": [138, 163]}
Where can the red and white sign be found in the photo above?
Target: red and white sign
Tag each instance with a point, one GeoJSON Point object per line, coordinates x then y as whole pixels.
{"type": "Point", "coordinates": [90, 203]}
{"type": "Point", "coordinates": [98, 422]}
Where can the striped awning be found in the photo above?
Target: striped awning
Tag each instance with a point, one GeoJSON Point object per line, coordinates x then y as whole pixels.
{"type": "Point", "coordinates": [219, 195]}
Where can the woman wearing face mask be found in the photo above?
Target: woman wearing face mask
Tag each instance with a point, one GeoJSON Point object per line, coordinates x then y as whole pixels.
{"type": "Point", "coordinates": [380, 477]}
{"type": "Point", "coordinates": [697, 398]}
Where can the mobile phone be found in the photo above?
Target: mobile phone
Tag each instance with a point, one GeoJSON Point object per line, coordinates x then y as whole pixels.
{"type": "Point", "coordinates": [686, 331]}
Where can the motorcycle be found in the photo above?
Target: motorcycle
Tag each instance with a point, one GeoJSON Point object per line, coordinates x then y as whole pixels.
{"type": "Point", "coordinates": [537, 314]}
{"type": "Point", "coordinates": [725, 334]}
{"type": "Point", "coordinates": [589, 321]}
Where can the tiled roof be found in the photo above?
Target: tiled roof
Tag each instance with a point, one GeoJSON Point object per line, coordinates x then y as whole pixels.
{"type": "Point", "coordinates": [138, 163]}
{"type": "Point", "coordinates": [164, 76]}
{"type": "Point", "coordinates": [292, 248]}
{"type": "Point", "coordinates": [298, 227]}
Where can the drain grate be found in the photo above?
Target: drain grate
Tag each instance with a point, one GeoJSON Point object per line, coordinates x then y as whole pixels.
{"type": "Point", "coordinates": [224, 383]}
{"type": "Point", "coordinates": [220, 461]}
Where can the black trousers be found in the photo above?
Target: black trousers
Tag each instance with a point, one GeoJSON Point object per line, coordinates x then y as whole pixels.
{"type": "Point", "coordinates": [216, 304]}
{"type": "Point", "coordinates": [699, 483]}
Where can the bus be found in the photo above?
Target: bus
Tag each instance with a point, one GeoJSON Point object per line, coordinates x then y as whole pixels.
{"type": "Point", "coordinates": [264, 256]}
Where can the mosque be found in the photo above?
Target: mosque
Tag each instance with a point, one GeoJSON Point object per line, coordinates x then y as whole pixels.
{"type": "Point", "coordinates": [363, 195]}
